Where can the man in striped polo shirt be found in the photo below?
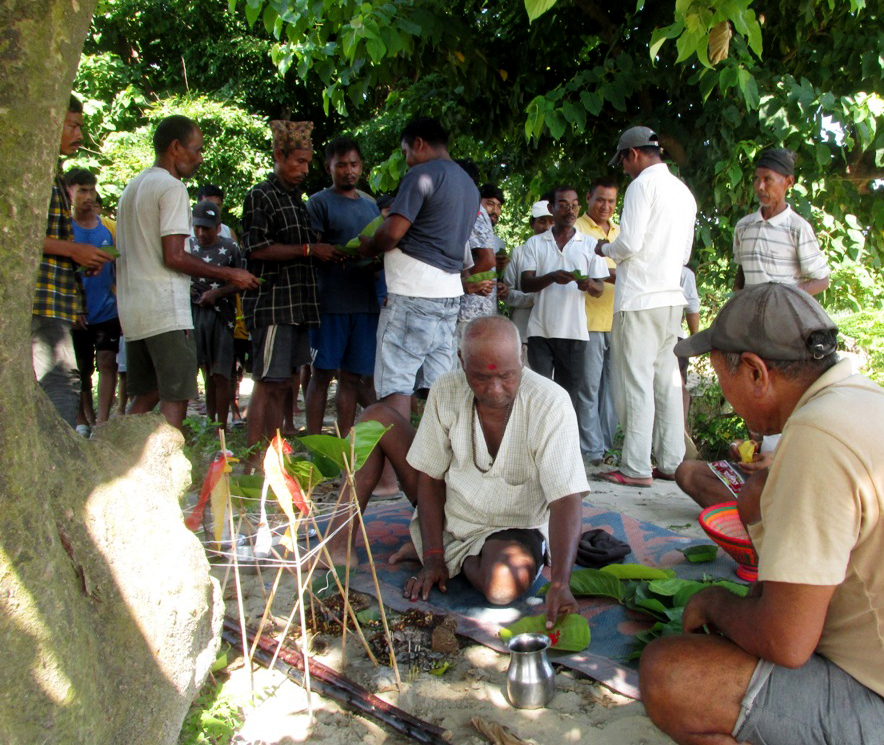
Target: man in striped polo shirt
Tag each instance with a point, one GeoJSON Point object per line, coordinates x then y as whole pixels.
{"type": "Point", "coordinates": [775, 244]}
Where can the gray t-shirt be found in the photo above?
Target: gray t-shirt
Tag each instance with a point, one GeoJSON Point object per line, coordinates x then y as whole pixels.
{"type": "Point", "coordinates": [441, 202]}
{"type": "Point", "coordinates": [345, 287]}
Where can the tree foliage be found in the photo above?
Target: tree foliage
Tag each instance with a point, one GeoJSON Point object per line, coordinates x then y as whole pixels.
{"type": "Point", "coordinates": [537, 92]}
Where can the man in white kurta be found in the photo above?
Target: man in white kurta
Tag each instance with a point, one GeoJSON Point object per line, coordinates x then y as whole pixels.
{"type": "Point", "coordinates": [538, 462]}
{"type": "Point", "coordinates": [494, 470]}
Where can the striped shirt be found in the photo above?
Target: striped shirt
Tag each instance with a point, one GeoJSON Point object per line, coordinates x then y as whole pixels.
{"type": "Point", "coordinates": [537, 463]}
{"type": "Point", "coordinates": [783, 249]}
{"type": "Point", "coordinates": [59, 290]}
{"type": "Point", "coordinates": [287, 296]}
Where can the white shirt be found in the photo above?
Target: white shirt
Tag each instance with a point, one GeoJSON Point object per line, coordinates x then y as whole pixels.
{"type": "Point", "coordinates": [151, 299]}
{"type": "Point", "coordinates": [408, 276]}
{"type": "Point", "coordinates": [538, 462]}
{"type": "Point", "coordinates": [783, 249]}
{"type": "Point", "coordinates": [656, 235]}
{"type": "Point", "coordinates": [559, 311]}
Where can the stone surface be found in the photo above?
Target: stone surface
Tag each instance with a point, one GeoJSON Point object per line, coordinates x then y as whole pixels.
{"type": "Point", "coordinates": [110, 619]}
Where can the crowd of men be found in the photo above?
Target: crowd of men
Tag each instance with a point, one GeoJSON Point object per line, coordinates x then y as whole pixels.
{"type": "Point", "coordinates": [497, 467]}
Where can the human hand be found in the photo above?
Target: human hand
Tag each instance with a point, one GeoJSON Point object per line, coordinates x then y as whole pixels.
{"type": "Point", "coordinates": [80, 324]}
{"type": "Point", "coordinates": [559, 601]}
{"type": "Point", "coordinates": [583, 285]}
{"type": "Point", "coordinates": [561, 277]}
{"type": "Point", "coordinates": [696, 613]}
{"type": "Point", "coordinates": [326, 252]}
{"type": "Point", "coordinates": [242, 279]}
{"type": "Point", "coordinates": [433, 572]}
{"type": "Point", "coordinates": [89, 256]}
{"type": "Point", "coordinates": [208, 299]}
{"type": "Point", "coordinates": [598, 247]}
{"type": "Point", "coordinates": [500, 262]}
{"type": "Point", "coordinates": [366, 246]}
{"type": "Point", "coordinates": [503, 289]}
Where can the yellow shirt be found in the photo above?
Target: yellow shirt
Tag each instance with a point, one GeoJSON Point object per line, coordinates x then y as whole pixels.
{"type": "Point", "coordinates": [599, 310]}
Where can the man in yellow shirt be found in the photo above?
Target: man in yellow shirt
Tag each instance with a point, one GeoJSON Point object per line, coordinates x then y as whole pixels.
{"type": "Point", "coordinates": [596, 415]}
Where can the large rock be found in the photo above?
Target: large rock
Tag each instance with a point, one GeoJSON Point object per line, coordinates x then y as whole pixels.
{"type": "Point", "coordinates": [109, 619]}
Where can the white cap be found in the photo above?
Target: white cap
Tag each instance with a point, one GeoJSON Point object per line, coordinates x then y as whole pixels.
{"type": "Point", "coordinates": [540, 209]}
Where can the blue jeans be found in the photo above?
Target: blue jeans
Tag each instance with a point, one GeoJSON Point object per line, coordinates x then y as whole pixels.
{"type": "Point", "coordinates": [416, 343]}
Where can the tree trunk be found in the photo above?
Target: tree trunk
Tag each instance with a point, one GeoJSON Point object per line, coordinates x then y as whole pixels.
{"type": "Point", "coordinates": [108, 619]}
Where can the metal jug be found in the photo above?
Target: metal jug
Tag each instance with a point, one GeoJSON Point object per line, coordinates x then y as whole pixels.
{"type": "Point", "coordinates": [530, 679]}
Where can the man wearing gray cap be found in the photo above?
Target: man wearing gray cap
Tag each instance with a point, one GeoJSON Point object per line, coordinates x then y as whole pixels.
{"type": "Point", "coordinates": [775, 244]}
{"type": "Point", "coordinates": [656, 234]}
{"type": "Point", "coordinates": [800, 659]}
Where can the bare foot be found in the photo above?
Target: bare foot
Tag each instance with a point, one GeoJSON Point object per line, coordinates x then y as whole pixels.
{"type": "Point", "coordinates": [407, 553]}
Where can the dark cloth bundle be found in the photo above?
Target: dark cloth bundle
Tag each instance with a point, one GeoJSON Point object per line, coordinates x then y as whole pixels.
{"type": "Point", "coordinates": [597, 548]}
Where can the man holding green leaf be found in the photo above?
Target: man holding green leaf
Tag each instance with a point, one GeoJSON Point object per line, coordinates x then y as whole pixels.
{"type": "Point", "coordinates": [495, 473]}
{"type": "Point", "coordinates": [422, 241]}
{"type": "Point", "coordinates": [344, 343]}
{"type": "Point", "coordinates": [97, 339]}
{"type": "Point", "coordinates": [560, 267]}
{"type": "Point", "coordinates": [800, 659]}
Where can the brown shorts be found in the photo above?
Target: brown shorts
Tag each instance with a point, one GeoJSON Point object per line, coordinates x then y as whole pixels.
{"type": "Point", "coordinates": [165, 363]}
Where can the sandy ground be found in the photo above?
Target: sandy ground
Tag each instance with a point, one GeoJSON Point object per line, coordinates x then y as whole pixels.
{"type": "Point", "coordinates": [582, 711]}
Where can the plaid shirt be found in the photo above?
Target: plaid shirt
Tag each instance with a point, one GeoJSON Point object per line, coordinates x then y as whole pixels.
{"type": "Point", "coordinates": [59, 291]}
{"type": "Point", "coordinates": [273, 214]}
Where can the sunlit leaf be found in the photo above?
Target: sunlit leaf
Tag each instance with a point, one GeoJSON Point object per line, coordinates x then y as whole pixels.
{"type": "Point", "coordinates": [570, 634]}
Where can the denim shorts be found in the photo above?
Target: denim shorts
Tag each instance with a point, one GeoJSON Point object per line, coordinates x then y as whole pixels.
{"type": "Point", "coordinates": [345, 341]}
{"type": "Point", "coordinates": [416, 343]}
{"type": "Point", "coordinates": [815, 704]}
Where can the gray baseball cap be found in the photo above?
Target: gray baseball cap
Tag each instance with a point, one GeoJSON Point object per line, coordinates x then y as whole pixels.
{"type": "Point", "coordinates": [206, 214]}
{"type": "Point", "coordinates": [635, 137]}
{"type": "Point", "coordinates": [772, 320]}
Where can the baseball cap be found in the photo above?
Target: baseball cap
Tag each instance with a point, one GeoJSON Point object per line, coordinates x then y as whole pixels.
{"type": "Point", "coordinates": [206, 214]}
{"type": "Point", "coordinates": [635, 137]}
{"type": "Point", "coordinates": [772, 320]}
{"type": "Point", "coordinates": [540, 209]}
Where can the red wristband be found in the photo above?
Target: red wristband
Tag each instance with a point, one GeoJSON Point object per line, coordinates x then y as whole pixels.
{"type": "Point", "coordinates": [430, 551]}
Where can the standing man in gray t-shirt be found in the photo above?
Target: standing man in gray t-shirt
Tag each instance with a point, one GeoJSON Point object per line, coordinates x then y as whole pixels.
{"type": "Point", "coordinates": [423, 245]}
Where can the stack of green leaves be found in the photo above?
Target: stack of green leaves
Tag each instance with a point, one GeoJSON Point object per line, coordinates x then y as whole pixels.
{"type": "Point", "coordinates": [351, 247]}
{"type": "Point", "coordinates": [655, 592]}
{"type": "Point", "coordinates": [482, 276]}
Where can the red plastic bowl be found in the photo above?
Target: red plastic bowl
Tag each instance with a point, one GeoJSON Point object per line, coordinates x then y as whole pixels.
{"type": "Point", "coordinates": [722, 524]}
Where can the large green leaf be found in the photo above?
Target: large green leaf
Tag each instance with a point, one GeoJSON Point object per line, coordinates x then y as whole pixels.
{"type": "Point", "coordinates": [700, 553]}
{"type": "Point", "coordinates": [570, 634]}
{"type": "Point", "coordinates": [596, 582]}
{"type": "Point", "coordinates": [537, 8]}
{"type": "Point", "coordinates": [636, 571]}
{"type": "Point", "coordinates": [339, 451]}
{"type": "Point", "coordinates": [482, 276]}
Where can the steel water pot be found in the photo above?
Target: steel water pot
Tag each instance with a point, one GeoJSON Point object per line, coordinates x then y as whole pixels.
{"type": "Point", "coordinates": [530, 679]}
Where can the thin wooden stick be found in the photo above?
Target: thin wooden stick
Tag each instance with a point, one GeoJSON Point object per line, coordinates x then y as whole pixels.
{"type": "Point", "coordinates": [374, 577]}
{"type": "Point", "coordinates": [347, 607]}
{"type": "Point", "coordinates": [239, 603]}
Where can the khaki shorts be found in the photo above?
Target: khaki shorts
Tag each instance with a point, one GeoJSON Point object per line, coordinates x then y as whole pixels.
{"type": "Point", "coordinates": [165, 363]}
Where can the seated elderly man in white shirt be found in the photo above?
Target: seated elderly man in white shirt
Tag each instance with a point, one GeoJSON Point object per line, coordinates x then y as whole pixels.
{"type": "Point", "coordinates": [495, 473]}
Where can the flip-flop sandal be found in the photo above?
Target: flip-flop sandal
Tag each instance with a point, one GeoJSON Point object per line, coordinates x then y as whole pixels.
{"type": "Point", "coordinates": [615, 477]}
{"type": "Point", "coordinates": [658, 474]}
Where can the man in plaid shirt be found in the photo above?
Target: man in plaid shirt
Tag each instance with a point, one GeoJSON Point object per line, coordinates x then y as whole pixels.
{"type": "Point", "coordinates": [280, 247]}
{"type": "Point", "coordinates": [58, 300]}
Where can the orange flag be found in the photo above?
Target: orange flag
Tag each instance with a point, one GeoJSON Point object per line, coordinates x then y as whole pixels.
{"type": "Point", "coordinates": [216, 471]}
{"type": "Point", "coordinates": [286, 488]}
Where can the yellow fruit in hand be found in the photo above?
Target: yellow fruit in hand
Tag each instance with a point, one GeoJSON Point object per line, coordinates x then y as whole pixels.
{"type": "Point", "coordinates": [747, 450]}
